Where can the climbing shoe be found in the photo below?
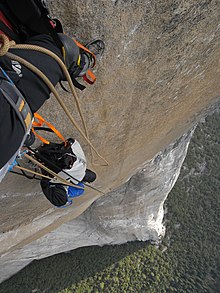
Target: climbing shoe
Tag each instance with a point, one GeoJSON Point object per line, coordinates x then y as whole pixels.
{"type": "Point", "coordinates": [97, 47]}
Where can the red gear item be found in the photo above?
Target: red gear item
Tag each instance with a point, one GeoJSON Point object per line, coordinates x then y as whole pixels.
{"type": "Point", "coordinates": [6, 22]}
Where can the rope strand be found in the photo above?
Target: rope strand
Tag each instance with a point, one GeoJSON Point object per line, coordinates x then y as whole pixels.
{"type": "Point", "coordinates": [6, 44]}
{"type": "Point", "coordinates": [53, 90]}
{"type": "Point", "coordinates": [72, 88]}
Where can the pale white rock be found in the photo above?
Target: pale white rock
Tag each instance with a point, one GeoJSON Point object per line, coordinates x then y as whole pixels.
{"type": "Point", "coordinates": [132, 212]}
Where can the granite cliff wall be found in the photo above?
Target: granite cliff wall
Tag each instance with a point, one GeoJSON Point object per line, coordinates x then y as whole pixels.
{"type": "Point", "coordinates": [159, 72]}
{"type": "Point", "coordinates": [132, 212]}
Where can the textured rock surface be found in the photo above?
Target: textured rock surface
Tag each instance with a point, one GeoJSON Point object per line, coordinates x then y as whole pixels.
{"type": "Point", "coordinates": [159, 71]}
{"type": "Point", "coordinates": [132, 212]}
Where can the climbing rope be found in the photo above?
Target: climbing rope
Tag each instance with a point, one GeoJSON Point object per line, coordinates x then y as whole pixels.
{"type": "Point", "coordinates": [32, 172]}
{"type": "Point", "coordinates": [25, 175]}
{"type": "Point", "coordinates": [54, 91]}
{"type": "Point", "coordinates": [6, 44]}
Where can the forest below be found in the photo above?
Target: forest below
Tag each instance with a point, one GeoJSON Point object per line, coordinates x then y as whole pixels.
{"type": "Point", "coordinates": [186, 260]}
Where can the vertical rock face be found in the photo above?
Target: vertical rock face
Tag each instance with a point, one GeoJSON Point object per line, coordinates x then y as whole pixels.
{"type": "Point", "coordinates": [159, 71]}
{"type": "Point", "coordinates": [135, 210]}
{"type": "Point", "coordinates": [132, 212]}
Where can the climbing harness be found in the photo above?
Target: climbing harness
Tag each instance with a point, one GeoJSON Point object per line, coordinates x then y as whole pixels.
{"type": "Point", "coordinates": [16, 100]}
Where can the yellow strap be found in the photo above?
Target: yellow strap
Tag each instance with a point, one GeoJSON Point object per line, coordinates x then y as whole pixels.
{"type": "Point", "coordinates": [21, 105]}
{"type": "Point", "coordinates": [28, 119]}
{"type": "Point", "coordinates": [87, 50]}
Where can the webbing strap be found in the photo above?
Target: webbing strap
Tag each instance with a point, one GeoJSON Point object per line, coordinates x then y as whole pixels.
{"type": "Point", "coordinates": [87, 50]}
{"type": "Point", "coordinates": [91, 75]}
{"type": "Point", "coordinates": [40, 121]}
{"type": "Point", "coordinates": [17, 102]}
{"type": "Point", "coordinates": [78, 85]}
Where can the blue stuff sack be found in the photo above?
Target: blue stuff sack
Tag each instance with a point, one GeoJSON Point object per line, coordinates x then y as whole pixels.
{"type": "Point", "coordinates": [74, 192]}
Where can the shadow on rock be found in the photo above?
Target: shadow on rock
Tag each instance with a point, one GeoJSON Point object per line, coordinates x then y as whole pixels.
{"type": "Point", "coordinates": [60, 271]}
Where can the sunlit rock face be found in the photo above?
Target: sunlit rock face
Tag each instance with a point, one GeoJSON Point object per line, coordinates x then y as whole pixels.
{"type": "Point", "coordinates": [135, 210]}
{"type": "Point", "coordinates": [160, 70]}
{"type": "Point", "coordinates": [132, 212]}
